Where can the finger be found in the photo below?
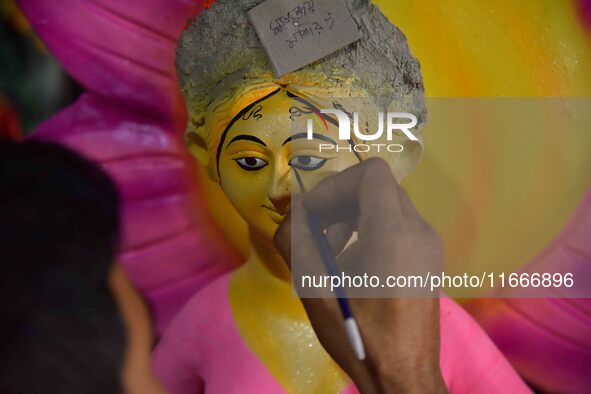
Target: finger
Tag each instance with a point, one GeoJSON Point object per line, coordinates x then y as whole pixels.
{"type": "Point", "coordinates": [380, 207]}
{"type": "Point", "coordinates": [338, 235]}
{"type": "Point", "coordinates": [296, 243]}
{"type": "Point", "coordinates": [409, 209]}
{"type": "Point", "coordinates": [367, 192]}
{"type": "Point", "coordinates": [282, 239]}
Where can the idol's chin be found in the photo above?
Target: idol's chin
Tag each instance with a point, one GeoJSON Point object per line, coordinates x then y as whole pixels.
{"type": "Point", "coordinates": [265, 228]}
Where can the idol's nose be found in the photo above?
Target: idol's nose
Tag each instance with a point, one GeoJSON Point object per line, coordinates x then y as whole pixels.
{"type": "Point", "coordinates": [279, 191]}
{"type": "Point", "coordinates": [281, 204]}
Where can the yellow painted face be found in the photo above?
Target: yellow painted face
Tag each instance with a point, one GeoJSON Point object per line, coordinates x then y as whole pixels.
{"type": "Point", "coordinates": [262, 149]}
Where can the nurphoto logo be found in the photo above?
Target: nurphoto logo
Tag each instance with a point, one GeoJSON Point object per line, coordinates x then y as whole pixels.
{"type": "Point", "coordinates": [387, 122]}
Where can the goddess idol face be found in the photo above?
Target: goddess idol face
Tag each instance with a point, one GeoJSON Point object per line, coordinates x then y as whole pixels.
{"type": "Point", "coordinates": [261, 149]}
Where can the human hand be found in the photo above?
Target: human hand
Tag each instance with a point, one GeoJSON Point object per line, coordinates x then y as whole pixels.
{"type": "Point", "coordinates": [400, 335]}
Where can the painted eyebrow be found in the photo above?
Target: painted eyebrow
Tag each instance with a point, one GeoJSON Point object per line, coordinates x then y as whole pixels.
{"type": "Point", "coordinates": [246, 137]}
{"type": "Point", "coordinates": [305, 135]}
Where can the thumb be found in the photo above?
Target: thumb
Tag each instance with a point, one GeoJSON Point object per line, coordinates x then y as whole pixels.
{"type": "Point", "coordinates": [282, 239]}
{"type": "Point", "coordinates": [295, 242]}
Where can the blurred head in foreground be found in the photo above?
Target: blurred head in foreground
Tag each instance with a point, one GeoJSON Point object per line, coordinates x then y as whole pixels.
{"type": "Point", "coordinates": [64, 311]}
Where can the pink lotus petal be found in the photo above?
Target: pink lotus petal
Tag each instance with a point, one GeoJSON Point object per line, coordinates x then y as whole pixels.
{"type": "Point", "coordinates": [121, 50]}
{"type": "Point", "coordinates": [548, 339]}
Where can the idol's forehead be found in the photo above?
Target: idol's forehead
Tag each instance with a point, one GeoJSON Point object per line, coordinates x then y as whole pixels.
{"type": "Point", "coordinates": [275, 120]}
{"type": "Point", "coordinates": [266, 119]}
{"type": "Point", "coordinates": [274, 108]}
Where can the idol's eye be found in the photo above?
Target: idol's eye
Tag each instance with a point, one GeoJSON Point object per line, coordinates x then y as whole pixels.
{"type": "Point", "coordinates": [251, 163]}
{"type": "Point", "coordinates": [307, 163]}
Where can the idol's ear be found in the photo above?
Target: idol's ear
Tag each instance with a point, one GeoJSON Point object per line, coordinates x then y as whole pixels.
{"type": "Point", "coordinates": [198, 148]}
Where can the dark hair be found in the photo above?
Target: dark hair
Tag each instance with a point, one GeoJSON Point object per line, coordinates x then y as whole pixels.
{"type": "Point", "coordinates": [59, 230]}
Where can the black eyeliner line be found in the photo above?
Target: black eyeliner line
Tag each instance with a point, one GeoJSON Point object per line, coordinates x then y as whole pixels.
{"type": "Point", "coordinates": [300, 183]}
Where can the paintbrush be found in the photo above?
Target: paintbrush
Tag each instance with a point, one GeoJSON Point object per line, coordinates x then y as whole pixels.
{"type": "Point", "coordinates": [332, 269]}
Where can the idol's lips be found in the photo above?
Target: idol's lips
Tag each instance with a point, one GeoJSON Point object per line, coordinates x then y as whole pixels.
{"type": "Point", "coordinates": [274, 211]}
{"type": "Point", "coordinates": [275, 215]}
